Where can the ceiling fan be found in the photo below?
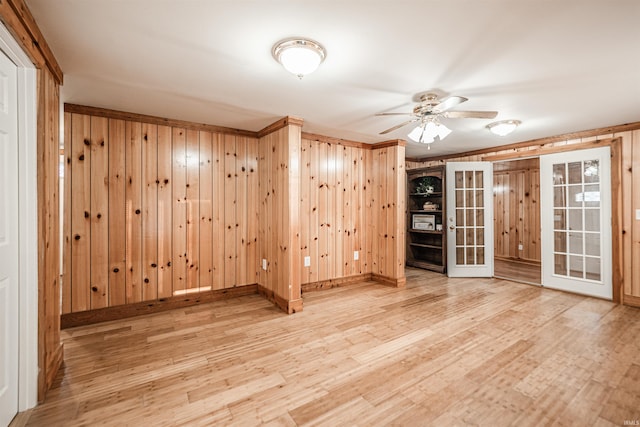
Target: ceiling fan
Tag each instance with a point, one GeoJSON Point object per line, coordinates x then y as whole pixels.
{"type": "Point", "coordinates": [430, 109]}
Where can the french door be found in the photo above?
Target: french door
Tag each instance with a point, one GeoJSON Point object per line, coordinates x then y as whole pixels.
{"type": "Point", "coordinates": [469, 219]}
{"type": "Point", "coordinates": [575, 202]}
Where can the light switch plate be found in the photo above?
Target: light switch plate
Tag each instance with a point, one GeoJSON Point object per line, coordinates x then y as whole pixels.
{"type": "Point", "coordinates": [356, 255]}
{"type": "Point", "coordinates": [264, 264]}
{"type": "Point", "coordinates": [638, 214]}
{"type": "Point", "coordinates": [307, 261]}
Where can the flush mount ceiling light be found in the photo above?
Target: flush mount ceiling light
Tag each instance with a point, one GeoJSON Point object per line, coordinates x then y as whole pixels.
{"type": "Point", "coordinates": [503, 127]}
{"type": "Point", "coordinates": [299, 56]}
{"type": "Point", "coordinates": [427, 132]}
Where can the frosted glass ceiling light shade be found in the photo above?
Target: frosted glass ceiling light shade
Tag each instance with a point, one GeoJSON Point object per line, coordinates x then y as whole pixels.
{"type": "Point", "coordinates": [503, 127]}
{"type": "Point", "coordinates": [443, 131]}
{"type": "Point", "coordinates": [419, 135]}
{"type": "Point", "coordinates": [427, 132]}
{"type": "Point", "coordinates": [299, 56]}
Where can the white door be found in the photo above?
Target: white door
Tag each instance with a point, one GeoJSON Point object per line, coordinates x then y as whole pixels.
{"type": "Point", "coordinates": [8, 241]}
{"type": "Point", "coordinates": [575, 203]}
{"type": "Point", "coordinates": [469, 219]}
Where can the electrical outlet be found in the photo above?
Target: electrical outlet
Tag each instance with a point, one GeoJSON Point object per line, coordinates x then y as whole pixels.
{"type": "Point", "coordinates": [356, 255]}
{"type": "Point", "coordinates": [307, 261]}
{"type": "Point", "coordinates": [264, 264]}
{"type": "Point", "coordinates": [520, 247]}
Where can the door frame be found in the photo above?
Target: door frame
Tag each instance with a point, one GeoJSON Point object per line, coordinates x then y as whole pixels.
{"type": "Point", "coordinates": [28, 307]}
{"type": "Point", "coordinates": [493, 162]}
{"type": "Point", "coordinates": [615, 142]}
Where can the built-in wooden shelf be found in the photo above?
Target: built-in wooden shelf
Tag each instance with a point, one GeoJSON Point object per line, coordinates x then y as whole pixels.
{"type": "Point", "coordinates": [423, 211]}
{"type": "Point", "coordinates": [438, 194]}
{"type": "Point", "coordinates": [421, 245]}
{"type": "Point", "coordinates": [426, 248]}
{"type": "Point", "coordinates": [413, 230]}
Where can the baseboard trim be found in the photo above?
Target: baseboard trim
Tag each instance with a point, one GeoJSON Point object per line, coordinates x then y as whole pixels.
{"type": "Point", "coordinates": [51, 371]}
{"type": "Point", "coordinates": [335, 283]}
{"type": "Point", "coordinates": [399, 282]}
{"type": "Point", "coordinates": [518, 260]}
{"type": "Point", "coordinates": [89, 317]}
{"type": "Point", "coordinates": [289, 307]}
{"type": "Point", "coordinates": [631, 300]}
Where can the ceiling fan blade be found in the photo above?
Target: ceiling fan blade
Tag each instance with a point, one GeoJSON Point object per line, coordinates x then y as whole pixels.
{"type": "Point", "coordinates": [399, 126]}
{"type": "Point", "coordinates": [449, 103]}
{"type": "Point", "coordinates": [393, 114]}
{"type": "Point", "coordinates": [470, 114]}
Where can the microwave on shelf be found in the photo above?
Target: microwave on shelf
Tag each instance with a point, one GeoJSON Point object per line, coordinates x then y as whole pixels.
{"type": "Point", "coordinates": [424, 222]}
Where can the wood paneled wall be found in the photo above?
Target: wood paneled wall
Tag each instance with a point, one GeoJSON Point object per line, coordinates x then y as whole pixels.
{"type": "Point", "coordinates": [333, 209]}
{"type": "Point", "coordinates": [156, 211]}
{"type": "Point", "coordinates": [630, 222]}
{"type": "Point", "coordinates": [279, 223]}
{"type": "Point", "coordinates": [516, 195]}
{"type": "Point", "coordinates": [386, 184]}
{"type": "Point", "coordinates": [17, 18]}
{"type": "Point", "coordinates": [629, 189]}
{"type": "Point", "coordinates": [352, 198]}
{"type": "Point", "coordinates": [49, 343]}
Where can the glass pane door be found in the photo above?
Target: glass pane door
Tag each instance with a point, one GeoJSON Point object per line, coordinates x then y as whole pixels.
{"type": "Point", "coordinates": [470, 219]}
{"type": "Point", "coordinates": [576, 218]}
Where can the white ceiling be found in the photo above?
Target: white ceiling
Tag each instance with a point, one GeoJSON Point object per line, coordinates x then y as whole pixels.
{"type": "Point", "coordinates": [558, 65]}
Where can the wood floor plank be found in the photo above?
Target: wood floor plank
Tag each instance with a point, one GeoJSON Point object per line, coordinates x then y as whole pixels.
{"type": "Point", "coordinates": [439, 352]}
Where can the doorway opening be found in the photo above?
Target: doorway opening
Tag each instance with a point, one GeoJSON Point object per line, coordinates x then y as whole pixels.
{"type": "Point", "coordinates": [517, 236]}
{"type": "Point", "coordinates": [27, 228]}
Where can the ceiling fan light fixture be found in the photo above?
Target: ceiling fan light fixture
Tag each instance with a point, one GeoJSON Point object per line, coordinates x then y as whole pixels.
{"type": "Point", "coordinates": [503, 127]}
{"type": "Point", "coordinates": [426, 133]}
{"type": "Point", "coordinates": [419, 134]}
{"type": "Point", "coordinates": [298, 55]}
{"type": "Point", "coordinates": [443, 131]}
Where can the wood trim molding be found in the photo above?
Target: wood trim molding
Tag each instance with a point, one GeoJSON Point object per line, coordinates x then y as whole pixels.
{"type": "Point", "coordinates": [122, 115]}
{"type": "Point", "coordinates": [57, 359]}
{"type": "Point", "coordinates": [280, 124]}
{"type": "Point", "coordinates": [337, 141]}
{"type": "Point", "coordinates": [400, 282]}
{"type": "Point", "coordinates": [347, 143]}
{"type": "Point", "coordinates": [289, 307]}
{"type": "Point", "coordinates": [540, 142]}
{"type": "Point", "coordinates": [390, 143]}
{"type": "Point", "coordinates": [631, 300]}
{"type": "Point", "coordinates": [20, 22]}
{"type": "Point", "coordinates": [335, 283]}
{"type": "Point", "coordinates": [617, 229]}
{"type": "Point", "coordinates": [550, 150]}
{"type": "Point", "coordinates": [533, 262]}
{"type": "Point", "coordinates": [295, 306]}
{"type": "Point", "coordinates": [89, 317]}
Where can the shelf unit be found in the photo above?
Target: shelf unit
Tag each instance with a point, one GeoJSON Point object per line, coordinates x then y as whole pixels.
{"type": "Point", "coordinates": [426, 236]}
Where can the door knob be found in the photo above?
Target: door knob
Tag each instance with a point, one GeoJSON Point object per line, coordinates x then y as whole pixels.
{"type": "Point", "coordinates": [452, 227]}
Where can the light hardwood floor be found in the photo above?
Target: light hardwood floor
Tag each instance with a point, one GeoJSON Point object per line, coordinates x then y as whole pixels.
{"type": "Point", "coordinates": [517, 270]}
{"type": "Point", "coordinates": [442, 352]}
